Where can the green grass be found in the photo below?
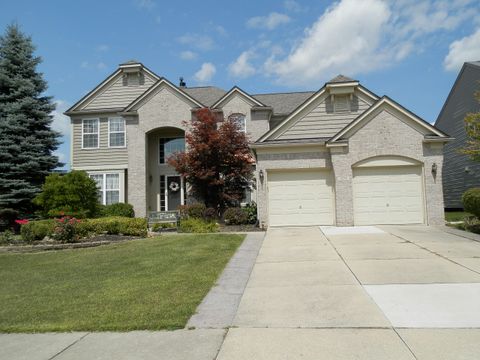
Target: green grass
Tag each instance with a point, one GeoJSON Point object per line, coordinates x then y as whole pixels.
{"type": "Point", "coordinates": [455, 215]}
{"type": "Point", "coordinates": [143, 284]}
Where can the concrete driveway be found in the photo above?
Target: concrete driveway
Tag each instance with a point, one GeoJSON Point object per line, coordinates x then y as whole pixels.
{"type": "Point", "coordinates": [392, 292]}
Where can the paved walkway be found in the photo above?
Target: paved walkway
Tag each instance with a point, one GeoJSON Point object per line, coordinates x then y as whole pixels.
{"type": "Point", "coordinates": [392, 292]}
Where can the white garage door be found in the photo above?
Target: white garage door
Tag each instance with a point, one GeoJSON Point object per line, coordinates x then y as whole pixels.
{"type": "Point", "coordinates": [300, 198]}
{"type": "Point", "coordinates": [388, 195]}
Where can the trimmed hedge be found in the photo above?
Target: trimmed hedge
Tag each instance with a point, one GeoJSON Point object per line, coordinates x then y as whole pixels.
{"type": "Point", "coordinates": [195, 211]}
{"type": "Point", "coordinates": [193, 225]}
{"type": "Point", "coordinates": [115, 225]}
{"type": "Point", "coordinates": [119, 209]}
{"type": "Point", "coordinates": [471, 201]}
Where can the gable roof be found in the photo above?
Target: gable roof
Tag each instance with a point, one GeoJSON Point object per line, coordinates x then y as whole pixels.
{"type": "Point", "coordinates": [340, 78]}
{"type": "Point", "coordinates": [471, 64]}
{"type": "Point", "coordinates": [306, 103]}
{"type": "Point", "coordinates": [385, 100]}
{"type": "Point", "coordinates": [110, 78]}
{"type": "Point", "coordinates": [234, 90]}
{"type": "Point", "coordinates": [207, 95]}
{"type": "Point", "coordinates": [283, 103]}
{"type": "Point", "coordinates": [137, 102]}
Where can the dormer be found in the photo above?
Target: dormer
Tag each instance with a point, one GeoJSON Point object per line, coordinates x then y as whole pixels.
{"type": "Point", "coordinates": [341, 94]}
{"type": "Point", "coordinates": [132, 74]}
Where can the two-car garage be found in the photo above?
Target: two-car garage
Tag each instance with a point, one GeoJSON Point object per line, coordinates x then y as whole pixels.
{"type": "Point", "coordinates": [383, 193]}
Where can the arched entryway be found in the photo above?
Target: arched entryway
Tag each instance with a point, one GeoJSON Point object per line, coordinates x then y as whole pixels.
{"type": "Point", "coordinates": [166, 190]}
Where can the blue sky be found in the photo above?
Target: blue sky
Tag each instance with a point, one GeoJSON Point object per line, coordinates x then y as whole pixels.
{"type": "Point", "coordinates": [410, 50]}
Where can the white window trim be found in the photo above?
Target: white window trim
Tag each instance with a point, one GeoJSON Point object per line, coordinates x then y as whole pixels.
{"type": "Point", "coordinates": [244, 119]}
{"type": "Point", "coordinates": [98, 134]}
{"type": "Point", "coordinates": [124, 132]}
{"type": "Point", "coordinates": [121, 184]}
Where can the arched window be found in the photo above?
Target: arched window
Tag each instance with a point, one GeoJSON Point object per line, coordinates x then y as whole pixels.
{"type": "Point", "coordinates": [240, 120]}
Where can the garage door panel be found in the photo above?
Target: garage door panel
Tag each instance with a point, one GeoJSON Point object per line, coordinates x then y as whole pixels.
{"type": "Point", "coordinates": [388, 195]}
{"type": "Point", "coordinates": [300, 198]}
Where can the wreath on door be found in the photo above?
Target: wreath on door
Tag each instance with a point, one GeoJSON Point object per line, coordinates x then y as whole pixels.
{"type": "Point", "coordinates": [174, 186]}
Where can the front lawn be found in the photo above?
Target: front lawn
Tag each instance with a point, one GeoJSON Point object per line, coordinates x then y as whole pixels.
{"type": "Point", "coordinates": [142, 284]}
{"type": "Point", "coordinates": [452, 216]}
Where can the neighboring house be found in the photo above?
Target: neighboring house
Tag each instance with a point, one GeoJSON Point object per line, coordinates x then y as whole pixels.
{"type": "Point", "coordinates": [337, 156]}
{"type": "Point", "coordinates": [459, 172]}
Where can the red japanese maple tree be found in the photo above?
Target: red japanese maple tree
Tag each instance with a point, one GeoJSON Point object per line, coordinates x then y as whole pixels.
{"type": "Point", "coordinates": [217, 162]}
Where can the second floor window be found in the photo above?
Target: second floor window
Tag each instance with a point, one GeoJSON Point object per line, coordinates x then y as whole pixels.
{"type": "Point", "coordinates": [116, 132]}
{"type": "Point", "coordinates": [240, 120]}
{"type": "Point", "coordinates": [169, 146]}
{"type": "Point", "coordinates": [90, 133]}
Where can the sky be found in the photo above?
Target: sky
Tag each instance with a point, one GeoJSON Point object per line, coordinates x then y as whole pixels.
{"type": "Point", "coordinates": [410, 50]}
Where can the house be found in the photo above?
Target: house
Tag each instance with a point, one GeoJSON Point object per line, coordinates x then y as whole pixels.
{"type": "Point", "coordinates": [337, 156]}
{"type": "Point", "coordinates": [459, 172]}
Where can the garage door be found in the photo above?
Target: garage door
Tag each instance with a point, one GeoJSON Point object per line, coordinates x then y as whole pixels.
{"type": "Point", "coordinates": [388, 195]}
{"type": "Point", "coordinates": [300, 198]}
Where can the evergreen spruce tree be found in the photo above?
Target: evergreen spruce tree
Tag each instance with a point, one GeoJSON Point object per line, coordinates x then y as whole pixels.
{"type": "Point", "coordinates": [26, 139]}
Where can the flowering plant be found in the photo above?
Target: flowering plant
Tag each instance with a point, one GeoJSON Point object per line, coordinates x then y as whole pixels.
{"type": "Point", "coordinates": [65, 229]}
{"type": "Point", "coordinates": [21, 221]}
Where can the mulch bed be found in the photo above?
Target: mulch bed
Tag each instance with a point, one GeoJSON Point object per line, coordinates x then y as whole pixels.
{"type": "Point", "coordinates": [239, 228]}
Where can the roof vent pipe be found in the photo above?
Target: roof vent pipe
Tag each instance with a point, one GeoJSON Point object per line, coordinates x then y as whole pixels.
{"type": "Point", "coordinates": [182, 83]}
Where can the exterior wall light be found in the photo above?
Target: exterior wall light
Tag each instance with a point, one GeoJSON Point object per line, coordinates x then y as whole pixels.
{"type": "Point", "coordinates": [261, 175]}
{"type": "Point", "coordinates": [434, 169]}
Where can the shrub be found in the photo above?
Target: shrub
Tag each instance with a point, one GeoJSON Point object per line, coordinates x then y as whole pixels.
{"type": "Point", "coordinates": [65, 230]}
{"type": "Point", "coordinates": [471, 223]}
{"type": "Point", "coordinates": [115, 225]}
{"type": "Point", "coordinates": [235, 216]}
{"type": "Point", "coordinates": [37, 230]}
{"type": "Point", "coordinates": [7, 218]}
{"type": "Point", "coordinates": [6, 237]}
{"type": "Point", "coordinates": [251, 211]}
{"type": "Point", "coordinates": [160, 226]}
{"type": "Point", "coordinates": [193, 225]}
{"type": "Point", "coordinates": [471, 201]}
{"type": "Point", "coordinates": [194, 211]}
{"type": "Point", "coordinates": [73, 194]}
{"type": "Point", "coordinates": [119, 209]}
{"type": "Point", "coordinates": [210, 214]}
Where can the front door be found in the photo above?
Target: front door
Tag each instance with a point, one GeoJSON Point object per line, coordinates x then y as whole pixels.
{"type": "Point", "coordinates": [174, 192]}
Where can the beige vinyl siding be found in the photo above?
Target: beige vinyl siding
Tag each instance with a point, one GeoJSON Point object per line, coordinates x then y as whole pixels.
{"type": "Point", "coordinates": [120, 94]}
{"type": "Point", "coordinates": [327, 118]}
{"type": "Point", "coordinates": [101, 157]}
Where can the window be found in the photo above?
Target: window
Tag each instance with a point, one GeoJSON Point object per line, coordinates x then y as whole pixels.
{"type": "Point", "coordinates": [89, 133]}
{"type": "Point", "coordinates": [239, 119]}
{"type": "Point", "coordinates": [112, 189]}
{"type": "Point", "coordinates": [108, 186]}
{"type": "Point", "coordinates": [169, 146]}
{"type": "Point", "coordinates": [116, 132]}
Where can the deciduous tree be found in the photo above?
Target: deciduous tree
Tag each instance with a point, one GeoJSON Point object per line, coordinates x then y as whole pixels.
{"type": "Point", "coordinates": [472, 128]}
{"type": "Point", "coordinates": [217, 162]}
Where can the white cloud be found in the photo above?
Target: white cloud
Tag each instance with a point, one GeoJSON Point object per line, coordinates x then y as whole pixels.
{"type": "Point", "coordinates": [462, 50]}
{"type": "Point", "coordinates": [145, 4]}
{"type": "Point", "coordinates": [188, 55]}
{"type": "Point", "coordinates": [269, 22]}
{"type": "Point", "coordinates": [292, 5]}
{"type": "Point", "coordinates": [61, 122]}
{"type": "Point", "coordinates": [354, 37]}
{"type": "Point", "coordinates": [202, 42]}
{"type": "Point", "coordinates": [241, 68]}
{"type": "Point", "coordinates": [206, 72]}
{"type": "Point", "coordinates": [84, 65]}
{"type": "Point", "coordinates": [101, 65]}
